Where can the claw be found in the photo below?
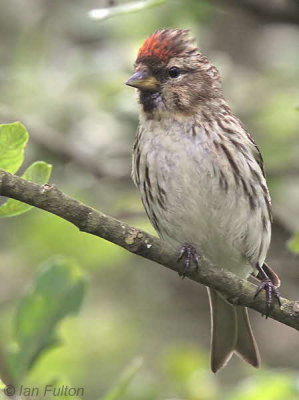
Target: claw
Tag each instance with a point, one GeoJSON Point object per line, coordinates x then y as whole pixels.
{"type": "Point", "coordinates": [271, 290]}
{"type": "Point", "coordinates": [189, 255]}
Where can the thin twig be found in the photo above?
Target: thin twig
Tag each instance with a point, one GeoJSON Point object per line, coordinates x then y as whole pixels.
{"type": "Point", "coordinates": [87, 219]}
{"type": "Point", "coordinates": [100, 14]}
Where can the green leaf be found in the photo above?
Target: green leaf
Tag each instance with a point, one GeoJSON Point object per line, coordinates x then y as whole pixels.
{"type": "Point", "coordinates": [38, 172]}
{"type": "Point", "coordinates": [119, 389]}
{"type": "Point", "coordinates": [293, 243]}
{"type": "Point", "coordinates": [57, 293]}
{"type": "Point", "coordinates": [13, 139]}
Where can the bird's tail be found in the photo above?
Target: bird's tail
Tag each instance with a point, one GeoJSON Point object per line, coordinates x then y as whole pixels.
{"type": "Point", "coordinates": [231, 332]}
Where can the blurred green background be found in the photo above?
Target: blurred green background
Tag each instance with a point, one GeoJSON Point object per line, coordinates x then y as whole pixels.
{"type": "Point", "coordinates": [62, 74]}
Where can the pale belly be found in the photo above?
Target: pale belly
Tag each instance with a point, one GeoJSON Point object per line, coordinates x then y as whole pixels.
{"type": "Point", "coordinates": [201, 214]}
{"type": "Point", "coordinates": [215, 217]}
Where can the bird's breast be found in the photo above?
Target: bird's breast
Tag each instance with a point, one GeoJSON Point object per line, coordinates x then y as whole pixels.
{"type": "Point", "coordinates": [190, 193]}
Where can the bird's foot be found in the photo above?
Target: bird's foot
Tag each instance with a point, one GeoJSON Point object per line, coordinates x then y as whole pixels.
{"type": "Point", "coordinates": [189, 256]}
{"type": "Point", "coordinates": [271, 290]}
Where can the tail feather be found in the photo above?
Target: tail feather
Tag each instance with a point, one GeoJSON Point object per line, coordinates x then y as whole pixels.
{"type": "Point", "coordinates": [224, 330]}
{"type": "Point", "coordinates": [246, 346]}
{"type": "Point", "coordinates": [231, 332]}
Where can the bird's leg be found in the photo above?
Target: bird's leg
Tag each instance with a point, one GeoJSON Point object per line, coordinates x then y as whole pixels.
{"type": "Point", "coordinates": [272, 292]}
{"type": "Point", "coordinates": [189, 256]}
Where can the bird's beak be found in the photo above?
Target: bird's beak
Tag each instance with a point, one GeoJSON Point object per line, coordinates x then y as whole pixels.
{"type": "Point", "coordinates": [143, 80]}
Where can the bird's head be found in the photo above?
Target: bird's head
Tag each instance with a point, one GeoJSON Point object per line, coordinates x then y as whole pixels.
{"type": "Point", "coordinates": [172, 75]}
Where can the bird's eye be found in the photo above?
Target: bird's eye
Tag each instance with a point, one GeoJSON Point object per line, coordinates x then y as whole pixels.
{"type": "Point", "coordinates": [174, 72]}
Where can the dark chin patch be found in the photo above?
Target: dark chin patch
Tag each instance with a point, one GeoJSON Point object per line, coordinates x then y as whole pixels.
{"type": "Point", "coordinates": [149, 100]}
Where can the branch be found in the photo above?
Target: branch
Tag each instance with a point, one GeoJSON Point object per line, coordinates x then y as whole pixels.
{"type": "Point", "coordinates": [87, 219]}
{"type": "Point", "coordinates": [108, 12]}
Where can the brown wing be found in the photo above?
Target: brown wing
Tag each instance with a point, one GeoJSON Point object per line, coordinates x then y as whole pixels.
{"type": "Point", "coordinates": [257, 154]}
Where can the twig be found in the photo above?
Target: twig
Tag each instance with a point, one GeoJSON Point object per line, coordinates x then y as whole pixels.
{"type": "Point", "coordinates": [87, 219]}
{"type": "Point", "coordinates": [104, 13]}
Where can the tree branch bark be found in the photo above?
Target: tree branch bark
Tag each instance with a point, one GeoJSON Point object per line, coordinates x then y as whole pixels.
{"type": "Point", "coordinates": [87, 219]}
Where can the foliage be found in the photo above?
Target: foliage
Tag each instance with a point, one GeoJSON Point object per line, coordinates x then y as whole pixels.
{"type": "Point", "coordinates": [58, 292]}
{"type": "Point", "coordinates": [13, 139]}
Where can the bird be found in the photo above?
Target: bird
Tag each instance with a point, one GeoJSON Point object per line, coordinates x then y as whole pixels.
{"type": "Point", "coordinates": [201, 179]}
